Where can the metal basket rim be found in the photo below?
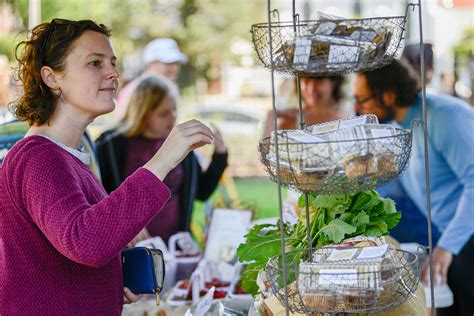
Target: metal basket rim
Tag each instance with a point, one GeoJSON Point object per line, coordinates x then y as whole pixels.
{"type": "Point", "coordinates": [403, 132]}
{"type": "Point", "coordinates": [413, 261]}
{"type": "Point", "coordinates": [306, 22]}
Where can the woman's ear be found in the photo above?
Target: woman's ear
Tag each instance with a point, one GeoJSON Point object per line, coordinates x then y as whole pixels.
{"type": "Point", "coordinates": [389, 98]}
{"type": "Point", "coordinates": [49, 77]}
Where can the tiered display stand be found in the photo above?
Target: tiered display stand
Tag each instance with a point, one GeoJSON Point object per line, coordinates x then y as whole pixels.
{"type": "Point", "coordinates": [330, 47]}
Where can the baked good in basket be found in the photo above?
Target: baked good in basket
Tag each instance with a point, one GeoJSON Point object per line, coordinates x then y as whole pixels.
{"type": "Point", "coordinates": [360, 166]}
{"type": "Point", "coordinates": [357, 282]}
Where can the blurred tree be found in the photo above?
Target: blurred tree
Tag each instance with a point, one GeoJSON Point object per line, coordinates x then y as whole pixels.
{"type": "Point", "coordinates": [205, 29]}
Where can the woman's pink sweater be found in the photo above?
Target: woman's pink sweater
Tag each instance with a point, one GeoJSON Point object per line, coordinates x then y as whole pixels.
{"type": "Point", "coordinates": [61, 235]}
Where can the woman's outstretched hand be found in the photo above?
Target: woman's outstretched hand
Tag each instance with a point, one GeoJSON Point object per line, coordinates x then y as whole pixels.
{"type": "Point", "coordinates": [184, 138]}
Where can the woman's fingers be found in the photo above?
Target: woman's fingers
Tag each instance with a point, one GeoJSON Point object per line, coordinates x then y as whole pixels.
{"type": "Point", "coordinates": [130, 297]}
{"type": "Point", "coordinates": [195, 127]}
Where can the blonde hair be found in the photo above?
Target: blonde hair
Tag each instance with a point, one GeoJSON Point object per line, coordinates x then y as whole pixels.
{"type": "Point", "coordinates": [146, 97]}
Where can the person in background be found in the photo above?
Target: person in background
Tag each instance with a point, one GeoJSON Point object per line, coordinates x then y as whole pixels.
{"type": "Point", "coordinates": [412, 226]}
{"type": "Point", "coordinates": [322, 98]}
{"type": "Point", "coordinates": [411, 54]}
{"type": "Point", "coordinates": [150, 117]}
{"type": "Point", "coordinates": [60, 233]}
{"type": "Point", "coordinates": [161, 57]}
{"type": "Point", "coordinates": [392, 93]}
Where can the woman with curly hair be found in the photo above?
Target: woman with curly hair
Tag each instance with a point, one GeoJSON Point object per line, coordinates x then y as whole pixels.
{"type": "Point", "coordinates": [60, 233]}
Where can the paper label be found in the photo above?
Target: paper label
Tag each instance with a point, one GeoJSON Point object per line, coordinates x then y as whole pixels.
{"type": "Point", "coordinates": [342, 254]}
{"type": "Point", "coordinates": [325, 28]}
{"type": "Point", "coordinates": [338, 277]}
{"type": "Point", "coordinates": [373, 252]}
{"type": "Point", "coordinates": [302, 51]}
{"type": "Point", "coordinates": [197, 283]}
{"type": "Point", "coordinates": [305, 138]}
{"type": "Point", "coordinates": [226, 233]}
{"type": "Point", "coordinates": [364, 36]}
{"type": "Point", "coordinates": [339, 54]}
{"type": "Point", "coordinates": [381, 133]}
{"type": "Point", "coordinates": [319, 129]}
{"type": "Point", "coordinates": [353, 122]}
{"type": "Point", "coordinates": [187, 245]}
{"type": "Point", "coordinates": [205, 303]}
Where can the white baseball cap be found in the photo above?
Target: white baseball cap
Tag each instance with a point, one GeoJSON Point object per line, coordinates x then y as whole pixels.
{"type": "Point", "coordinates": [165, 50]}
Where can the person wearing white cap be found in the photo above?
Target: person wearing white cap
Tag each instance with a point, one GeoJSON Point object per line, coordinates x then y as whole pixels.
{"type": "Point", "coordinates": [162, 57]}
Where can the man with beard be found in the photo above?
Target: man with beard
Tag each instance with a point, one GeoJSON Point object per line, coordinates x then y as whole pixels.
{"type": "Point", "coordinates": [392, 93]}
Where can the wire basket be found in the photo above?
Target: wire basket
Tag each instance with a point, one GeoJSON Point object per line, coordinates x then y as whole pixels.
{"type": "Point", "coordinates": [344, 286]}
{"type": "Point", "coordinates": [348, 160]}
{"type": "Point", "coordinates": [329, 47]}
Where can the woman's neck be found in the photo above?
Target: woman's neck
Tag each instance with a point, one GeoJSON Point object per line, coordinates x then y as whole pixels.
{"type": "Point", "coordinates": [62, 128]}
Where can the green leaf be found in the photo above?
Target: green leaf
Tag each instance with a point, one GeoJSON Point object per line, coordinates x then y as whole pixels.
{"type": "Point", "coordinates": [249, 277]}
{"type": "Point", "coordinates": [388, 205]}
{"type": "Point", "coordinates": [392, 219]}
{"type": "Point", "coordinates": [301, 200]}
{"type": "Point", "coordinates": [360, 221]}
{"type": "Point", "coordinates": [334, 202]}
{"type": "Point", "coordinates": [374, 231]}
{"type": "Point", "coordinates": [337, 229]}
{"type": "Point", "coordinates": [377, 210]}
{"type": "Point", "coordinates": [347, 217]}
{"type": "Point", "coordinates": [259, 249]}
{"type": "Point", "coordinates": [366, 200]}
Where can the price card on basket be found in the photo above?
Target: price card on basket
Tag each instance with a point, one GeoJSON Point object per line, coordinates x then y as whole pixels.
{"type": "Point", "coordinates": [205, 303]}
{"type": "Point", "coordinates": [226, 232]}
{"type": "Point", "coordinates": [302, 51]}
{"type": "Point", "coordinates": [372, 252]}
{"type": "Point", "coordinates": [342, 254]}
{"type": "Point", "coordinates": [339, 55]}
{"type": "Point", "coordinates": [187, 244]}
{"type": "Point", "coordinates": [197, 283]}
{"type": "Point", "coordinates": [338, 277]}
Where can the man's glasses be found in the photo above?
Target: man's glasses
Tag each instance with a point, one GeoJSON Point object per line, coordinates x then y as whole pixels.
{"type": "Point", "coordinates": [362, 101]}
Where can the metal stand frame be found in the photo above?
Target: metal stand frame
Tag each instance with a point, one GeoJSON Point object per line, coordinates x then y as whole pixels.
{"type": "Point", "coordinates": [302, 126]}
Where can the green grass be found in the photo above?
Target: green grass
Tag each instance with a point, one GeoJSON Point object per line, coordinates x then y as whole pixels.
{"type": "Point", "coordinates": [260, 193]}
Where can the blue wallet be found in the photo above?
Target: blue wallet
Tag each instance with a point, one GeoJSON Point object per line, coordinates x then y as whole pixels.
{"type": "Point", "coordinates": [143, 270]}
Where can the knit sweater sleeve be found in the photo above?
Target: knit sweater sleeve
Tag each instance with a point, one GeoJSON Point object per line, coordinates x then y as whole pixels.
{"type": "Point", "coordinates": [91, 228]}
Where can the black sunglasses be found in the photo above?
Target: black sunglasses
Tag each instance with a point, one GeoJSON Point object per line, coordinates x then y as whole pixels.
{"type": "Point", "coordinates": [52, 27]}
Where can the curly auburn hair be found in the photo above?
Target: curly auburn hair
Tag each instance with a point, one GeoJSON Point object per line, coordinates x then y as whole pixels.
{"type": "Point", "coordinates": [397, 77]}
{"type": "Point", "coordinates": [48, 44]}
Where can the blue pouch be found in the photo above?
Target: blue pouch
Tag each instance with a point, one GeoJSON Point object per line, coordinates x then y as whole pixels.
{"type": "Point", "coordinates": [143, 270]}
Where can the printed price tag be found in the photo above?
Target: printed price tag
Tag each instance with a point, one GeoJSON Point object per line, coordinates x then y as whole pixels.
{"type": "Point", "coordinates": [303, 137]}
{"type": "Point", "coordinates": [204, 303]}
{"type": "Point", "coordinates": [187, 244]}
{"type": "Point", "coordinates": [373, 252]}
{"type": "Point", "coordinates": [302, 51]}
{"type": "Point", "coordinates": [381, 133]}
{"type": "Point", "coordinates": [339, 55]}
{"type": "Point", "coordinates": [197, 283]}
{"type": "Point", "coordinates": [325, 128]}
{"type": "Point", "coordinates": [353, 122]}
{"type": "Point", "coordinates": [343, 254]}
{"type": "Point", "coordinates": [338, 277]}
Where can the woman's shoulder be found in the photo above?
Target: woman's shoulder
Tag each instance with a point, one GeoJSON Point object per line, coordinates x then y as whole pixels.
{"type": "Point", "coordinates": [31, 152]}
{"type": "Point", "coordinates": [32, 145]}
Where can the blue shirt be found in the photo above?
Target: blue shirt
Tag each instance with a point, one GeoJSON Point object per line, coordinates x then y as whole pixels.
{"type": "Point", "coordinates": [451, 167]}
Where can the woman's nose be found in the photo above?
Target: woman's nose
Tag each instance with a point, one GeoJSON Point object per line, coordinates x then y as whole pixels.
{"type": "Point", "coordinates": [112, 73]}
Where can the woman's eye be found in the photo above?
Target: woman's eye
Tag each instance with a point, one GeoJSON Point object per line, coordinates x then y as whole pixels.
{"type": "Point", "coordinates": [95, 63]}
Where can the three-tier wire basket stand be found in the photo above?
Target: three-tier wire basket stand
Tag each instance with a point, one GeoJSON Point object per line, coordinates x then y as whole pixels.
{"type": "Point", "coordinates": [335, 162]}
